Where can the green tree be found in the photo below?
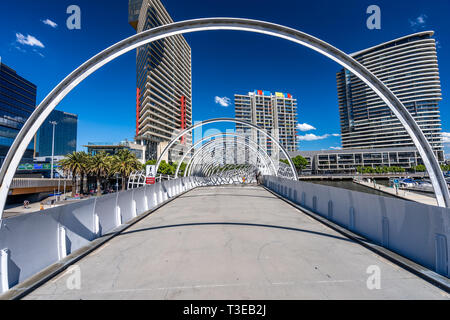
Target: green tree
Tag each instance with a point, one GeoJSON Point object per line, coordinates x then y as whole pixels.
{"type": "Point", "coordinates": [76, 164]}
{"type": "Point", "coordinates": [166, 168]}
{"type": "Point", "coordinates": [300, 163]}
{"type": "Point", "coordinates": [100, 166]}
{"type": "Point", "coordinates": [420, 168]}
{"type": "Point", "coordinates": [124, 163]}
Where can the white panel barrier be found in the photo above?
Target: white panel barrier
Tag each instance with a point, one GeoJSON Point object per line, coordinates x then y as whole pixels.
{"type": "Point", "coordinates": [152, 197]}
{"type": "Point", "coordinates": [417, 231]}
{"type": "Point", "coordinates": [140, 199]}
{"type": "Point", "coordinates": [105, 208]}
{"type": "Point", "coordinates": [34, 241]}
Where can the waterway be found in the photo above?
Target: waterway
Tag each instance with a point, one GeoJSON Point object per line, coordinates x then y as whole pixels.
{"type": "Point", "coordinates": [348, 184]}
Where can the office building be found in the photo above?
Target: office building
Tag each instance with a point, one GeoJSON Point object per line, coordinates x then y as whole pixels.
{"type": "Point", "coordinates": [409, 67]}
{"type": "Point", "coordinates": [65, 134]}
{"type": "Point", "coordinates": [164, 83]}
{"type": "Point", "coordinates": [275, 113]}
{"type": "Point", "coordinates": [111, 149]}
{"type": "Point", "coordinates": [17, 102]}
{"type": "Point", "coordinates": [348, 160]}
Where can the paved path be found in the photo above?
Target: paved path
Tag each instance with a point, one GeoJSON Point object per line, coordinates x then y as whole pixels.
{"type": "Point", "coordinates": [233, 243]}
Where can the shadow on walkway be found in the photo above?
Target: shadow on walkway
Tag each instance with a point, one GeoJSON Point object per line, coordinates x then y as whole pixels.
{"type": "Point", "coordinates": [237, 224]}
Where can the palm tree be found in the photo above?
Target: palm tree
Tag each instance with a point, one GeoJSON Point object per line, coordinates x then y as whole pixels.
{"type": "Point", "coordinates": [124, 163]}
{"type": "Point", "coordinates": [75, 164]}
{"type": "Point", "coordinates": [100, 166]}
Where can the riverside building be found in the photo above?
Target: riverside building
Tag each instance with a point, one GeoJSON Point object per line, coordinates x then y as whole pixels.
{"type": "Point", "coordinates": [409, 67]}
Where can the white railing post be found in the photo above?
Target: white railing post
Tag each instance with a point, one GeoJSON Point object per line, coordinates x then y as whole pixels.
{"type": "Point", "coordinates": [62, 246]}
{"type": "Point", "coordinates": [96, 225]}
{"type": "Point", "coordinates": [4, 282]}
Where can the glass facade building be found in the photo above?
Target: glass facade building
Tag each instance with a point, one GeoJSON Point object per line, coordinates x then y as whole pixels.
{"type": "Point", "coordinates": [347, 161]}
{"type": "Point", "coordinates": [409, 67]}
{"type": "Point", "coordinates": [17, 102]}
{"type": "Point", "coordinates": [164, 83]}
{"type": "Point", "coordinates": [65, 134]}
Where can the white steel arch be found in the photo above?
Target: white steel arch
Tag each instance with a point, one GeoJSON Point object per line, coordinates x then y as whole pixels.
{"type": "Point", "coordinates": [206, 166]}
{"type": "Point", "coordinates": [211, 143]}
{"type": "Point", "coordinates": [202, 123]}
{"type": "Point", "coordinates": [36, 119]}
{"type": "Point", "coordinates": [218, 135]}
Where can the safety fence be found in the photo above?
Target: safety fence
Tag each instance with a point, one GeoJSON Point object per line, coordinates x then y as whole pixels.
{"type": "Point", "coordinates": [29, 243]}
{"type": "Point", "coordinates": [416, 231]}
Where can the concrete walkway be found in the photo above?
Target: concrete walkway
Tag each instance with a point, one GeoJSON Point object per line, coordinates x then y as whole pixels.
{"type": "Point", "coordinates": [232, 243]}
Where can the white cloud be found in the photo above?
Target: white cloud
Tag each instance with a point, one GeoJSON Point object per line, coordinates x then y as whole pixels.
{"type": "Point", "coordinates": [50, 23]}
{"type": "Point", "coordinates": [20, 49]}
{"type": "Point", "coordinates": [305, 127]}
{"type": "Point", "coordinates": [420, 21]}
{"type": "Point", "coordinates": [224, 102]}
{"type": "Point", "coordinates": [28, 40]}
{"type": "Point", "coordinates": [37, 52]}
{"type": "Point", "coordinates": [446, 137]}
{"type": "Point", "coordinates": [336, 148]}
{"type": "Point", "coordinates": [313, 137]}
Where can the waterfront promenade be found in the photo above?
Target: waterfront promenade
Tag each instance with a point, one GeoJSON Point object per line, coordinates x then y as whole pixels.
{"type": "Point", "coordinates": [233, 242]}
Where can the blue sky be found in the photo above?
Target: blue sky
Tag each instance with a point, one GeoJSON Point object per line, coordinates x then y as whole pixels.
{"type": "Point", "coordinates": [223, 62]}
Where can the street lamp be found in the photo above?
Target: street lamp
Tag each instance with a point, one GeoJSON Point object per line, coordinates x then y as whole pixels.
{"type": "Point", "coordinates": [53, 123]}
{"type": "Point", "coordinates": [117, 182]}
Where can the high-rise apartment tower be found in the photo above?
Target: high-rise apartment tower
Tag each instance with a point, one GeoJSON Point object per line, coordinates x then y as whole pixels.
{"type": "Point", "coordinates": [409, 67]}
{"type": "Point", "coordinates": [276, 113]}
{"type": "Point", "coordinates": [164, 83]}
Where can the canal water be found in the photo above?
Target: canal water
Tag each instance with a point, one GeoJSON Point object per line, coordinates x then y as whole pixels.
{"type": "Point", "coordinates": [348, 184]}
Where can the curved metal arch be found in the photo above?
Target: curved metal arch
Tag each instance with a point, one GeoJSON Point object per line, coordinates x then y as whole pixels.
{"type": "Point", "coordinates": [196, 161]}
{"type": "Point", "coordinates": [208, 164]}
{"type": "Point", "coordinates": [212, 164]}
{"type": "Point", "coordinates": [218, 135]}
{"type": "Point", "coordinates": [202, 123]}
{"type": "Point", "coordinates": [219, 148]}
{"type": "Point", "coordinates": [30, 128]}
{"type": "Point", "coordinates": [212, 167]}
{"type": "Point", "coordinates": [210, 144]}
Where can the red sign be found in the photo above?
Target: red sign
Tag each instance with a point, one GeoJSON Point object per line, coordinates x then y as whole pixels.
{"type": "Point", "coordinates": [138, 102]}
{"type": "Point", "coordinates": [150, 180]}
{"type": "Point", "coordinates": [183, 116]}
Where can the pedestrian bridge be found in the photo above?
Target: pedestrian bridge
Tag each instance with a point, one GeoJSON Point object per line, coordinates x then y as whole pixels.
{"type": "Point", "coordinates": [187, 239]}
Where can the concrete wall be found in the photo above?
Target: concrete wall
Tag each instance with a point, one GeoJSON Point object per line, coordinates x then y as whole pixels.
{"type": "Point", "coordinates": [32, 242]}
{"type": "Point", "coordinates": [416, 231]}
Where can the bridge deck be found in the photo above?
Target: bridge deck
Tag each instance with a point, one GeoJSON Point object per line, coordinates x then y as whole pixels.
{"type": "Point", "coordinates": [233, 243]}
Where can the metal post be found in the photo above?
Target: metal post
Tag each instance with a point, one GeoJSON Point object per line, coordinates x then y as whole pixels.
{"type": "Point", "coordinates": [53, 123]}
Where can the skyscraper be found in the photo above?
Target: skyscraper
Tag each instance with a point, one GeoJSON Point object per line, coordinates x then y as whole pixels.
{"type": "Point", "coordinates": [164, 82]}
{"type": "Point", "coordinates": [65, 134]}
{"type": "Point", "coordinates": [409, 67]}
{"type": "Point", "coordinates": [17, 102]}
{"type": "Point", "coordinates": [276, 113]}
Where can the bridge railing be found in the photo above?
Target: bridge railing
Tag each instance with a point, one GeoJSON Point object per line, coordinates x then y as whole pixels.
{"type": "Point", "coordinates": [31, 242]}
{"type": "Point", "coordinates": [414, 230]}
{"type": "Point", "coordinates": [38, 182]}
